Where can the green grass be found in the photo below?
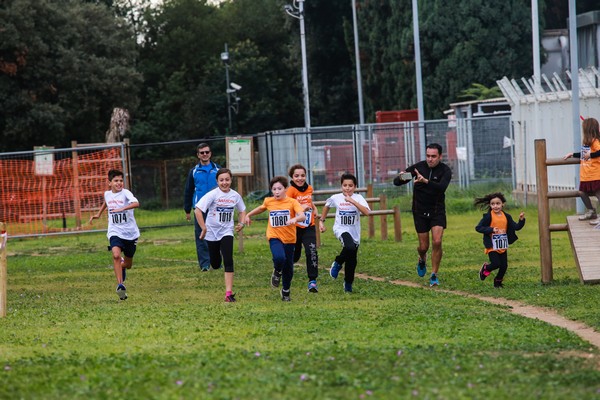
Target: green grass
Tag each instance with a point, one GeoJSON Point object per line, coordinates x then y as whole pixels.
{"type": "Point", "coordinates": [67, 335]}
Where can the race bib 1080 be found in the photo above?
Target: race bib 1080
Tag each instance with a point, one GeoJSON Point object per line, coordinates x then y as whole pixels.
{"type": "Point", "coordinates": [279, 218]}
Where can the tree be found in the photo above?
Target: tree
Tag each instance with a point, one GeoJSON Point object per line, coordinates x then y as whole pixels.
{"type": "Point", "coordinates": [64, 65]}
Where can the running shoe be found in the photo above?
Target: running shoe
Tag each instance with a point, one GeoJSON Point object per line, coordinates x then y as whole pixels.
{"type": "Point", "coordinates": [421, 268]}
{"type": "Point", "coordinates": [498, 283]}
{"type": "Point", "coordinates": [312, 287]}
{"type": "Point", "coordinates": [335, 269]}
{"type": "Point", "coordinates": [230, 298]}
{"type": "Point", "coordinates": [206, 268]}
{"type": "Point", "coordinates": [483, 272]}
{"type": "Point", "coordinates": [285, 295]}
{"type": "Point", "coordinates": [122, 292]}
{"type": "Point", "coordinates": [347, 287]}
{"type": "Point", "coordinates": [275, 278]}
{"type": "Point", "coordinates": [433, 280]}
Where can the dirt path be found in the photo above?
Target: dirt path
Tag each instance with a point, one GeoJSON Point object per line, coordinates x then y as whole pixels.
{"type": "Point", "coordinates": [543, 314]}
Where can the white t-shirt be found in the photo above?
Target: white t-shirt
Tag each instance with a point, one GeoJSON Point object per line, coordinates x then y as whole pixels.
{"type": "Point", "coordinates": [219, 207]}
{"type": "Point", "coordinates": [347, 216]}
{"type": "Point", "coordinates": [121, 224]}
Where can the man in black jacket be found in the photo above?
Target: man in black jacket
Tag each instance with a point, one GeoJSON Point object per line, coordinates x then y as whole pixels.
{"type": "Point", "coordinates": [431, 179]}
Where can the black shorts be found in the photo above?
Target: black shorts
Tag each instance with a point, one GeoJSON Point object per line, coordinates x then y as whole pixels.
{"type": "Point", "coordinates": [128, 247]}
{"type": "Point", "coordinates": [425, 221]}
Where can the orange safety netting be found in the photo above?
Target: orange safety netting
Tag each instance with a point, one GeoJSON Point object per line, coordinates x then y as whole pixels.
{"type": "Point", "coordinates": [33, 204]}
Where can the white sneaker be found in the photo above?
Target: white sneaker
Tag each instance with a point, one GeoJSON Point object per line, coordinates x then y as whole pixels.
{"type": "Point", "coordinates": [589, 214]}
{"type": "Point", "coordinates": [594, 221]}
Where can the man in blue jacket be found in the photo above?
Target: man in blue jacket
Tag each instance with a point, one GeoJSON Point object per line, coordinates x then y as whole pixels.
{"type": "Point", "coordinates": [201, 180]}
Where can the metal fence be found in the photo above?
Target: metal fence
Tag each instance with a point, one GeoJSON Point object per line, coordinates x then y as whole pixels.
{"type": "Point", "coordinates": [477, 150]}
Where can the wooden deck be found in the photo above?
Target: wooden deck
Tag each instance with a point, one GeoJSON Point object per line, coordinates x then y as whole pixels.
{"type": "Point", "coordinates": [585, 242]}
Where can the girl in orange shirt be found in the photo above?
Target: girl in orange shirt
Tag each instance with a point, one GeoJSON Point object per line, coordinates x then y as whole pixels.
{"type": "Point", "coordinates": [284, 213]}
{"type": "Point", "coordinates": [589, 169]}
{"type": "Point", "coordinates": [498, 229]}
{"type": "Point", "coordinates": [306, 234]}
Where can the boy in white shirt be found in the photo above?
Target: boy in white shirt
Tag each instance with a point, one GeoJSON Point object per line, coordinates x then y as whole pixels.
{"type": "Point", "coordinates": [123, 231]}
{"type": "Point", "coordinates": [349, 206]}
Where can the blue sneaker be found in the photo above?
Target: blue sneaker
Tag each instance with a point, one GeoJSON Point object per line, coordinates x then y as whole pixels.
{"type": "Point", "coordinates": [206, 268]}
{"type": "Point", "coordinates": [433, 280]}
{"type": "Point", "coordinates": [335, 269]}
{"type": "Point", "coordinates": [122, 292]}
{"type": "Point", "coordinates": [312, 287]}
{"type": "Point", "coordinates": [347, 287]}
{"type": "Point", "coordinates": [421, 268]}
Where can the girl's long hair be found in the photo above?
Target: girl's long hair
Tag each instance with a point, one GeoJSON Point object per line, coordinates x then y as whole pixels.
{"type": "Point", "coordinates": [484, 202]}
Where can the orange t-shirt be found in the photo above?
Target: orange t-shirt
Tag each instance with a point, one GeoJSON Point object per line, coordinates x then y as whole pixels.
{"type": "Point", "coordinates": [500, 222]}
{"type": "Point", "coordinates": [589, 170]}
{"type": "Point", "coordinates": [281, 211]}
{"type": "Point", "coordinates": [304, 198]}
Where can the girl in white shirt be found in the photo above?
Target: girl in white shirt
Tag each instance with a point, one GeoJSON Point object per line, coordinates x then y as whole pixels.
{"type": "Point", "coordinates": [219, 205]}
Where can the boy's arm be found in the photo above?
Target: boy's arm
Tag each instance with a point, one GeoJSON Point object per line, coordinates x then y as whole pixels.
{"type": "Point", "coordinates": [129, 206]}
{"type": "Point", "coordinates": [99, 213]}
{"type": "Point", "coordinates": [257, 210]}
{"type": "Point", "coordinates": [365, 210]}
{"type": "Point", "coordinates": [322, 226]}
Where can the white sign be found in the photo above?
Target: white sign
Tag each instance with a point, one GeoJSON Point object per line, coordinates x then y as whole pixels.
{"type": "Point", "coordinates": [239, 156]}
{"type": "Point", "coordinates": [461, 153]}
{"type": "Point", "coordinates": [44, 161]}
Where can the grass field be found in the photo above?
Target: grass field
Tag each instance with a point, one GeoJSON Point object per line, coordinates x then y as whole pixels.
{"type": "Point", "coordinates": [67, 335]}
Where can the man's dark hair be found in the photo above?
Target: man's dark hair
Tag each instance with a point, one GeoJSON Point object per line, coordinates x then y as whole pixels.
{"type": "Point", "coordinates": [435, 146]}
{"type": "Point", "coordinates": [201, 146]}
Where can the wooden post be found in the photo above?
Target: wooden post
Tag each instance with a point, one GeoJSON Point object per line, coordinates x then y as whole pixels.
{"type": "Point", "coordinates": [397, 225]}
{"type": "Point", "coordinates": [76, 196]}
{"type": "Point", "coordinates": [543, 210]}
{"type": "Point", "coordinates": [383, 220]}
{"type": "Point", "coordinates": [3, 270]}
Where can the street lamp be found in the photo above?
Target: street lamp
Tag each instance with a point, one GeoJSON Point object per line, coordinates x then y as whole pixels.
{"type": "Point", "coordinates": [297, 11]}
{"type": "Point", "coordinates": [225, 59]}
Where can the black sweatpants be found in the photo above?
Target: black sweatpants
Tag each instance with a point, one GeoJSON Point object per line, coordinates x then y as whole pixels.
{"type": "Point", "coordinates": [348, 257]}
{"type": "Point", "coordinates": [307, 237]}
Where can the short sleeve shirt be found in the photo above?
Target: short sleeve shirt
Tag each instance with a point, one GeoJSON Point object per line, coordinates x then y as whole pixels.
{"type": "Point", "coordinates": [121, 224]}
{"type": "Point", "coordinates": [347, 216]}
{"type": "Point", "coordinates": [281, 211]}
{"type": "Point", "coordinates": [219, 207]}
{"type": "Point", "coordinates": [304, 198]}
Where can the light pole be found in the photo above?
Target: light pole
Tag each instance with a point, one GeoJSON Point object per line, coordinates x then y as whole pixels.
{"type": "Point", "coordinates": [297, 11]}
{"type": "Point", "coordinates": [361, 112]}
{"type": "Point", "coordinates": [225, 59]}
{"type": "Point", "coordinates": [420, 111]}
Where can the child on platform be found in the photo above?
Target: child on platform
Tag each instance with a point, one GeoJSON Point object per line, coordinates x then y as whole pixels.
{"type": "Point", "coordinates": [305, 230]}
{"type": "Point", "coordinates": [123, 231]}
{"type": "Point", "coordinates": [219, 205]}
{"type": "Point", "coordinates": [284, 213]}
{"type": "Point", "coordinates": [498, 229]}
{"type": "Point", "coordinates": [346, 228]}
{"type": "Point", "coordinates": [589, 168]}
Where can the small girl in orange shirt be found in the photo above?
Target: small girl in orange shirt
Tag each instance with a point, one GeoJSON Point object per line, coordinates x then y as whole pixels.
{"type": "Point", "coordinates": [589, 169]}
{"type": "Point", "coordinates": [498, 229]}
{"type": "Point", "coordinates": [284, 213]}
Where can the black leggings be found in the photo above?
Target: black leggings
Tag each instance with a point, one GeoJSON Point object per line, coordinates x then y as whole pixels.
{"type": "Point", "coordinates": [307, 237]}
{"type": "Point", "coordinates": [221, 250]}
{"type": "Point", "coordinates": [498, 261]}
{"type": "Point", "coordinates": [348, 256]}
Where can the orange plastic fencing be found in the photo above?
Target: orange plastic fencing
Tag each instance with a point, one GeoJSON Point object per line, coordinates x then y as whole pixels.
{"type": "Point", "coordinates": [33, 204]}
